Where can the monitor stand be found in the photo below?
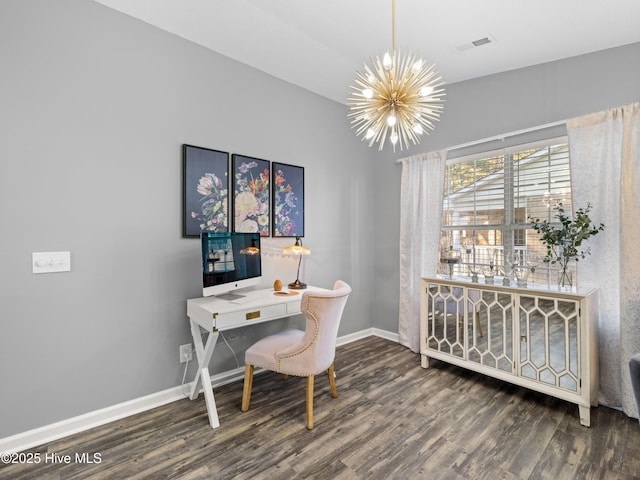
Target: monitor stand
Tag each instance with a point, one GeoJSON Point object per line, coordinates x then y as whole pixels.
{"type": "Point", "coordinates": [230, 297]}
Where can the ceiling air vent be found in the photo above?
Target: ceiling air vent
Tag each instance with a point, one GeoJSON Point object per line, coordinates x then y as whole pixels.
{"type": "Point", "coordinates": [482, 41]}
{"type": "Point", "coordinates": [488, 40]}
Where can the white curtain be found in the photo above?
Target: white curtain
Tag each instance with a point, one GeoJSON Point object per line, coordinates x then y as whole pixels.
{"type": "Point", "coordinates": [604, 150]}
{"type": "Point", "coordinates": [420, 212]}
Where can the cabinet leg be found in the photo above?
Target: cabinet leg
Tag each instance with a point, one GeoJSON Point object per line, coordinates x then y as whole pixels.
{"type": "Point", "coordinates": [585, 415]}
{"type": "Point", "coordinates": [424, 361]}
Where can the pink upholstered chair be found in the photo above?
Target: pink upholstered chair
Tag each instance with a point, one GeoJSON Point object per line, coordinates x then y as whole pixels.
{"type": "Point", "coordinates": [298, 353]}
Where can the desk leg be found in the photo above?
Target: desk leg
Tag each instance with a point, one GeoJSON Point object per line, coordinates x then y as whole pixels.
{"type": "Point", "coordinates": [209, 399]}
{"type": "Point", "coordinates": [204, 354]}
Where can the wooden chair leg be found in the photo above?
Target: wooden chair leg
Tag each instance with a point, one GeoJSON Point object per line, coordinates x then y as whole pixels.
{"type": "Point", "coordinates": [246, 390]}
{"type": "Point", "coordinates": [332, 381]}
{"type": "Point", "coordinates": [310, 402]}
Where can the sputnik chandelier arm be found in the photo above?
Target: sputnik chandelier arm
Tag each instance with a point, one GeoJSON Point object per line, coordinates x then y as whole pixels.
{"type": "Point", "coordinates": [398, 97]}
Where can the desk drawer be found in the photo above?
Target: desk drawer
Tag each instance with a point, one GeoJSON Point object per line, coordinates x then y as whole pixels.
{"type": "Point", "coordinates": [293, 308]}
{"type": "Point", "coordinates": [249, 315]}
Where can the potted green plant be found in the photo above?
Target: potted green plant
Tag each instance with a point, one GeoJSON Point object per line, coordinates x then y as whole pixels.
{"type": "Point", "coordinates": [564, 242]}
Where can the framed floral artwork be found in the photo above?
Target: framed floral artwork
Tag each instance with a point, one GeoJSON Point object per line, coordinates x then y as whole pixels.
{"type": "Point", "coordinates": [205, 176]}
{"type": "Point", "coordinates": [251, 195]}
{"type": "Point", "coordinates": [288, 200]}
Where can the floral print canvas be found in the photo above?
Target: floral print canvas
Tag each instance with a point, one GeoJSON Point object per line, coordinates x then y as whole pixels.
{"type": "Point", "coordinates": [206, 190]}
{"type": "Point", "coordinates": [251, 199]}
{"type": "Point", "coordinates": [288, 200]}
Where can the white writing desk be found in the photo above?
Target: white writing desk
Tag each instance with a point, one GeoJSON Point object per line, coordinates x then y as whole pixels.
{"type": "Point", "coordinates": [212, 315]}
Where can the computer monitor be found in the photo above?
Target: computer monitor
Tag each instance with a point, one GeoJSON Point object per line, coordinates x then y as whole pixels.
{"type": "Point", "coordinates": [230, 261]}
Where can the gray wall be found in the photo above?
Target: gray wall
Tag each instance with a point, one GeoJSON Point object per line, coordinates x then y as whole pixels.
{"type": "Point", "coordinates": [493, 105]}
{"type": "Point", "coordinates": [94, 108]}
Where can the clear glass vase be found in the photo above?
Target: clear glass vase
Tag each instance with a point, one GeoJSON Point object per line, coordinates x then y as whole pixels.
{"type": "Point", "coordinates": [564, 279]}
{"type": "Point", "coordinates": [521, 273]}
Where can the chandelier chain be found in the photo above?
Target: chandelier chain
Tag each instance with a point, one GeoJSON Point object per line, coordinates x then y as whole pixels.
{"type": "Point", "coordinates": [393, 25]}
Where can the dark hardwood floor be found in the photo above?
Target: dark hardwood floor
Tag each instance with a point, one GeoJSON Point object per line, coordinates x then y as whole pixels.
{"type": "Point", "coordinates": [392, 420]}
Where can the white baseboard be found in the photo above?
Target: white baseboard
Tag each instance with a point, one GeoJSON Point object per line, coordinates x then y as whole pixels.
{"type": "Point", "coordinates": [394, 337]}
{"type": "Point", "coordinates": [70, 426]}
{"type": "Point", "coordinates": [376, 332]}
{"type": "Point", "coordinates": [64, 428]}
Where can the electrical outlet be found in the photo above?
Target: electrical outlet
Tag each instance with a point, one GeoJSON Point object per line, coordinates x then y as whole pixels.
{"type": "Point", "coordinates": [186, 352]}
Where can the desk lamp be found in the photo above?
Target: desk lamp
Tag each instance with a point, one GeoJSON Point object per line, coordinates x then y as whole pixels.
{"type": "Point", "coordinates": [299, 250]}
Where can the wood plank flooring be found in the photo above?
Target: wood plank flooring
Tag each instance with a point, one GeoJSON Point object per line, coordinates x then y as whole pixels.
{"type": "Point", "coordinates": [392, 420]}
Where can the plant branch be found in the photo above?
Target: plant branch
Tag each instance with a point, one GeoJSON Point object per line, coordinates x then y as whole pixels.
{"type": "Point", "coordinates": [564, 243]}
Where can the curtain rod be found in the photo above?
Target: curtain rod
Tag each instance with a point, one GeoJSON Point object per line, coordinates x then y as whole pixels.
{"type": "Point", "coordinates": [502, 136]}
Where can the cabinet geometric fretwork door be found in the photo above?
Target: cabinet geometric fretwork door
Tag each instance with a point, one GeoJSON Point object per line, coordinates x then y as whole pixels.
{"type": "Point", "coordinates": [549, 348]}
{"type": "Point", "coordinates": [491, 332]}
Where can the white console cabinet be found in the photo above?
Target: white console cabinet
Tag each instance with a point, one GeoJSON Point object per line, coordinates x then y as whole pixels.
{"type": "Point", "coordinates": [534, 337]}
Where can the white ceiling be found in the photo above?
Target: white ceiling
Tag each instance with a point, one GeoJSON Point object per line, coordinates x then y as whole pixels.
{"type": "Point", "coordinates": [319, 45]}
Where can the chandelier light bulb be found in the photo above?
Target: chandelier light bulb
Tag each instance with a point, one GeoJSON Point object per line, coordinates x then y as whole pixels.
{"type": "Point", "coordinates": [392, 120]}
{"type": "Point", "coordinates": [393, 137]}
{"type": "Point", "coordinates": [426, 91]}
{"type": "Point", "coordinates": [387, 63]}
{"type": "Point", "coordinates": [417, 66]}
{"type": "Point", "coordinates": [416, 127]}
{"type": "Point", "coordinates": [370, 133]}
{"type": "Point", "coordinates": [367, 93]}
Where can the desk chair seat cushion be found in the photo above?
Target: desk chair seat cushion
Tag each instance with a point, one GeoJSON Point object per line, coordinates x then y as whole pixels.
{"type": "Point", "coordinates": [265, 352]}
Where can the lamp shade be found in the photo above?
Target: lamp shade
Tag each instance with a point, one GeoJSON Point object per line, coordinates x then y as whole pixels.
{"type": "Point", "coordinates": [296, 249]}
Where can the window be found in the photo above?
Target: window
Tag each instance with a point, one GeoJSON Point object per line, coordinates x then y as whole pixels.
{"type": "Point", "coordinates": [488, 200]}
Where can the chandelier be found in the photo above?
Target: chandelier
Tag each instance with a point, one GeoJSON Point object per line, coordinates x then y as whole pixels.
{"type": "Point", "coordinates": [398, 97]}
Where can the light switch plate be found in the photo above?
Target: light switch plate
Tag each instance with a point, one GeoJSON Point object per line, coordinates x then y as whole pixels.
{"type": "Point", "coordinates": [51, 262]}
